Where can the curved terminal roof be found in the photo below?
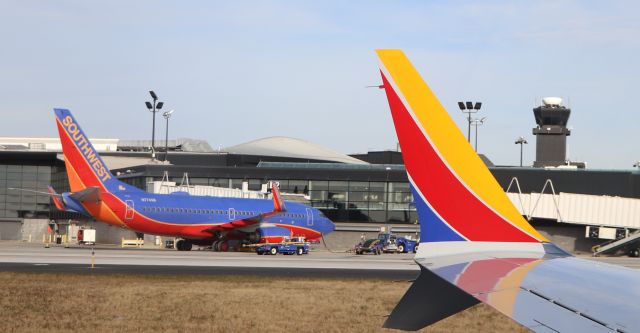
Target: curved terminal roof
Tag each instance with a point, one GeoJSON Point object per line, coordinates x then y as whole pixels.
{"type": "Point", "coordinates": [280, 146]}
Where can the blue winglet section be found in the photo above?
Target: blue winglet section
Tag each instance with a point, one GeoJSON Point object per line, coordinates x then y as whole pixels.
{"type": "Point", "coordinates": [432, 228]}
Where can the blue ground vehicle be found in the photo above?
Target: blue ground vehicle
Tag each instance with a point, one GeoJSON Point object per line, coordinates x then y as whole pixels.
{"type": "Point", "coordinates": [392, 243]}
{"type": "Point", "coordinates": [284, 248]}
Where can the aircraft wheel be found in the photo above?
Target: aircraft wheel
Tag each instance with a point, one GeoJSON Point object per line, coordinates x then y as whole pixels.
{"type": "Point", "coordinates": [216, 246]}
{"type": "Point", "coordinates": [299, 251]}
{"type": "Point", "coordinates": [223, 246]}
{"type": "Point", "coordinates": [415, 249]}
{"type": "Point", "coordinates": [401, 248]}
{"type": "Point", "coordinates": [634, 253]}
{"type": "Point", "coordinates": [187, 246]}
{"type": "Point", "coordinates": [273, 251]}
{"type": "Point", "coordinates": [179, 245]}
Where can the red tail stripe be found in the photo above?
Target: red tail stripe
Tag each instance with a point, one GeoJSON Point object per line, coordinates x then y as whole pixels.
{"type": "Point", "coordinates": [72, 155]}
{"type": "Point", "coordinates": [453, 202]}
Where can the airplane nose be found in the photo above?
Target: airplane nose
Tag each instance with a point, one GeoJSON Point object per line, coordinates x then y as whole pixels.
{"type": "Point", "coordinates": [328, 226]}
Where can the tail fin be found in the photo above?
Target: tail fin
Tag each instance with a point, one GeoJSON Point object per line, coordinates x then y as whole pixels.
{"type": "Point", "coordinates": [456, 196]}
{"type": "Point", "coordinates": [85, 168]}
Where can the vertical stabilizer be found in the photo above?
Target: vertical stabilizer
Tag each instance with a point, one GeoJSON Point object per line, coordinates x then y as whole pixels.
{"type": "Point", "coordinates": [85, 168]}
{"type": "Point", "coordinates": [457, 198]}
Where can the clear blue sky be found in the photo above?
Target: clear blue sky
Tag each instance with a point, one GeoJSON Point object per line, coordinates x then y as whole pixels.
{"type": "Point", "coordinates": [238, 71]}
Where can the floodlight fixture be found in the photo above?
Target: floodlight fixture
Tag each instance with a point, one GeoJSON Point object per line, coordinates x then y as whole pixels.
{"type": "Point", "coordinates": [521, 141]}
{"type": "Point", "coordinates": [469, 108]}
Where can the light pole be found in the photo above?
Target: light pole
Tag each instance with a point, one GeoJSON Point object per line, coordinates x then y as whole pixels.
{"type": "Point", "coordinates": [521, 141]}
{"type": "Point", "coordinates": [166, 116]}
{"type": "Point", "coordinates": [386, 196]}
{"type": "Point", "coordinates": [153, 107]}
{"type": "Point", "coordinates": [469, 108]}
{"type": "Point", "coordinates": [477, 122]}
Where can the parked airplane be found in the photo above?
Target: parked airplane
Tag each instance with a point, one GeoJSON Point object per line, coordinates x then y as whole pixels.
{"type": "Point", "coordinates": [95, 192]}
{"type": "Point", "coordinates": [475, 246]}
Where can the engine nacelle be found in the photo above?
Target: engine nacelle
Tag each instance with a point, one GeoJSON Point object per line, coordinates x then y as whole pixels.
{"type": "Point", "coordinates": [269, 235]}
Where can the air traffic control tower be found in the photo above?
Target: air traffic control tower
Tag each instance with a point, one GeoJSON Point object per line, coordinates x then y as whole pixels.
{"type": "Point", "coordinates": [551, 132]}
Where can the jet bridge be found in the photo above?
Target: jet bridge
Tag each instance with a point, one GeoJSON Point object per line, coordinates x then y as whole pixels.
{"type": "Point", "coordinates": [615, 219]}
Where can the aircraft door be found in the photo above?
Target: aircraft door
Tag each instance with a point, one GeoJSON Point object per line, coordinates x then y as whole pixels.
{"type": "Point", "coordinates": [309, 217]}
{"type": "Point", "coordinates": [232, 214]}
{"type": "Point", "coordinates": [128, 213]}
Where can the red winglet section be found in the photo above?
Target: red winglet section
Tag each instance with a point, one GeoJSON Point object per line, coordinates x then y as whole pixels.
{"type": "Point", "coordinates": [56, 200]}
{"type": "Point", "coordinates": [278, 203]}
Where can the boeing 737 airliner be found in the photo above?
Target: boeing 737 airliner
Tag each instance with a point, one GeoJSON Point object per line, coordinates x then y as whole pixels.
{"type": "Point", "coordinates": [95, 192]}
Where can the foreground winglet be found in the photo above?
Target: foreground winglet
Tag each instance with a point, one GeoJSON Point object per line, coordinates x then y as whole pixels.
{"type": "Point", "coordinates": [456, 196]}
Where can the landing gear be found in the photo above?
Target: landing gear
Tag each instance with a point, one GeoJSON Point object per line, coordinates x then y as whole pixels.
{"type": "Point", "coordinates": [634, 253]}
{"type": "Point", "coordinates": [183, 245]}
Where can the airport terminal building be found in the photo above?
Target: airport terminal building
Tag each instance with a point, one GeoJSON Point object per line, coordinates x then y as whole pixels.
{"type": "Point", "coordinates": [360, 192]}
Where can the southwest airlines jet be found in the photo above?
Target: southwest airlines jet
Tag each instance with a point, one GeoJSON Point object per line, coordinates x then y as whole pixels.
{"type": "Point", "coordinates": [474, 244]}
{"type": "Point", "coordinates": [201, 220]}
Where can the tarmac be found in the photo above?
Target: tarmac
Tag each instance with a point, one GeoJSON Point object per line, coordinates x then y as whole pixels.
{"type": "Point", "coordinates": [33, 257]}
{"type": "Point", "coordinates": [30, 257]}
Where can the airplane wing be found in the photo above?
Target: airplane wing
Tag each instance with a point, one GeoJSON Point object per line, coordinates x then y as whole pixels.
{"type": "Point", "coordinates": [278, 208]}
{"type": "Point", "coordinates": [34, 191]}
{"type": "Point", "coordinates": [474, 244]}
{"type": "Point", "coordinates": [57, 198]}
